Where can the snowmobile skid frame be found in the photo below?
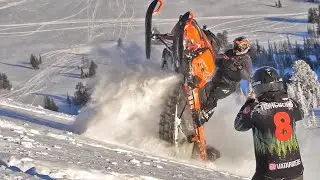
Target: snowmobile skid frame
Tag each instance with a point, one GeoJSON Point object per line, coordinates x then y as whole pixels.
{"type": "Point", "coordinates": [189, 52]}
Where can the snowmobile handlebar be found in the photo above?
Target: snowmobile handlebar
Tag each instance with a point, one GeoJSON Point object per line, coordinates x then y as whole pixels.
{"type": "Point", "coordinates": [159, 7]}
{"type": "Point", "coordinates": [166, 36]}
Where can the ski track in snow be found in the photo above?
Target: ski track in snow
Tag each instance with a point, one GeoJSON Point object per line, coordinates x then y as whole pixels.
{"type": "Point", "coordinates": [12, 4]}
{"type": "Point", "coordinates": [124, 21]}
{"type": "Point", "coordinates": [29, 149]}
{"type": "Point", "coordinates": [40, 80]}
{"type": "Point", "coordinates": [61, 57]}
{"type": "Point", "coordinates": [64, 59]}
{"type": "Point", "coordinates": [101, 23]}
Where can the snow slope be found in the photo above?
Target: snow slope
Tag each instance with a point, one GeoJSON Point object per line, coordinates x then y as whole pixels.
{"type": "Point", "coordinates": [60, 31]}
{"type": "Point", "coordinates": [128, 90]}
{"type": "Point", "coordinates": [28, 148]}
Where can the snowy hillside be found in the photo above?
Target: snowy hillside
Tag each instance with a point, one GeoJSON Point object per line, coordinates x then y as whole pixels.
{"type": "Point", "coordinates": [54, 152]}
{"type": "Point", "coordinates": [127, 91]}
{"type": "Point", "coordinates": [63, 33]}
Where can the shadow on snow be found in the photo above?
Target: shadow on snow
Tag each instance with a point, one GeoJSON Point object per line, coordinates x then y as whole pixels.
{"type": "Point", "coordinates": [283, 19]}
{"type": "Point", "coordinates": [36, 120]}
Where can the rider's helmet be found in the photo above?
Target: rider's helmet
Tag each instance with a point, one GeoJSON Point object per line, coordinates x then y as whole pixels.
{"type": "Point", "coordinates": [241, 45]}
{"type": "Point", "coordinates": [266, 79]}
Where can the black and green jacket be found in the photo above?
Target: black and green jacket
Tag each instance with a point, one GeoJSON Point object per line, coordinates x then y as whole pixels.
{"type": "Point", "coordinates": [272, 120]}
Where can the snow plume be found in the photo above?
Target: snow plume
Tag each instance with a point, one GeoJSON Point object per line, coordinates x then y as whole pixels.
{"type": "Point", "coordinates": [127, 98]}
{"type": "Point", "coordinates": [237, 153]}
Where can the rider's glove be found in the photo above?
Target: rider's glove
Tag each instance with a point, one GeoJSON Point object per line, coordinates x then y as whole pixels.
{"type": "Point", "coordinates": [200, 121]}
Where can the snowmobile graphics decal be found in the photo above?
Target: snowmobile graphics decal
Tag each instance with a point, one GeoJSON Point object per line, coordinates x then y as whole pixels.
{"type": "Point", "coordinates": [286, 165]}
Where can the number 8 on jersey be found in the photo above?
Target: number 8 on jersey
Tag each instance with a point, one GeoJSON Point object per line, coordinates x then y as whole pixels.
{"type": "Point", "coordinates": [283, 130]}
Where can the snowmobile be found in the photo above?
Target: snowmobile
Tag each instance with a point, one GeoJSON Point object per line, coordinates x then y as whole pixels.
{"type": "Point", "coordinates": [189, 51]}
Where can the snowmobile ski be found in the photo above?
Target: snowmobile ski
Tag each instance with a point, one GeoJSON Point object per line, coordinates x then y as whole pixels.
{"type": "Point", "coordinates": [148, 24]}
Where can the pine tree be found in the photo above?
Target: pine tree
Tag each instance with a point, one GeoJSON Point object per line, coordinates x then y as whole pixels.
{"type": "Point", "coordinates": [253, 51]}
{"type": "Point", "coordinates": [318, 97]}
{"type": "Point", "coordinates": [306, 86]}
{"type": "Point", "coordinates": [263, 56]}
{"type": "Point", "coordinates": [279, 4]}
{"type": "Point", "coordinates": [318, 28]}
{"type": "Point", "coordinates": [270, 52]}
{"type": "Point", "coordinates": [221, 38]}
{"type": "Point", "coordinates": [305, 47]}
{"type": "Point", "coordinates": [225, 38]}
{"type": "Point", "coordinates": [120, 42]}
{"type": "Point", "coordinates": [81, 96]}
{"type": "Point", "coordinates": [315, 15]}
{"type": "Point", "coordinates": [46, 102]}
{"type": "Point", "coordinates": [309, 30]}
{"type": "Point", "coordinates": [69, 100]}
{"type": "Point", "coordinates": [92, 69]}
{"type": "Point", "coordinates": [306, 77]}
{"type": "Point", "coordinates": [85, 61]}
{"type": "Point", "coordinates": [82, 75]}
{"type": "Point", "coordinates": [311, 15]}
{"type": "Point", "coordinates": [318, 12]}
{"type": "Point", "coordinates": [313, 32]}
{"type": "Point", "coordinates": [40, 59]}
{"type": "Point", "coordinates": [291, 90]}
{"type": "Point", "coordinates": [258, 47]}
{"type": "Point", "coordinates": [54, 107]}
{"type": "Point", "coordinates": [289, 44]}
{"type": "Point", "coordinates": [313, 120]}
{"type": "Point", "coordinates": [50, 104]}
{"type": "Point", "coordinates": [285, 47]}
{"type": "Point", "coordinates": [270, 49]}
{"type": "Point", "coordinates": [314, 99]}
{"type": "Point", "coordinates": [1, 81]}
{"type": "Point", "coordinates": [34, 62]}
{"type": "Point", "coordinates": [301, 99]}
{"type": "Point", "coordinates": [310, 46]}
{"type": "Point", "coordinates": [6, 83]}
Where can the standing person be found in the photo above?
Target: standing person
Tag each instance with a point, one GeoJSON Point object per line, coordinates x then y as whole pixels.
{"type": "Point", "coordinates": [272, 116]}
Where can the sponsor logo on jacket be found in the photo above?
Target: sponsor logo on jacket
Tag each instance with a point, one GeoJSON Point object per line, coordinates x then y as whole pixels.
{"type": "Point", "coordinates": [286, 165]}
{"type": "Point", "coordinates": [273, 105]}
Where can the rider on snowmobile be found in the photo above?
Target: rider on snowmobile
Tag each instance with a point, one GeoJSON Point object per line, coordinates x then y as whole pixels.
{"type": "Point", "coordinates": [233, 66]}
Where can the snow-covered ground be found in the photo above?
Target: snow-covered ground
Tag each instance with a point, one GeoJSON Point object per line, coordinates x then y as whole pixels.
{"type": "Point", "coordinates": [63, 32]}
{"type": "Point", "coordinates": [30, 149]}
{"type": "Point", "coordinates": [127, 91]}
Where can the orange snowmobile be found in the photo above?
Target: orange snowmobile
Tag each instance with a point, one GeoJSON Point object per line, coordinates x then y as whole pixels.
{"type": "Point", "coordinates": [191, 52]}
